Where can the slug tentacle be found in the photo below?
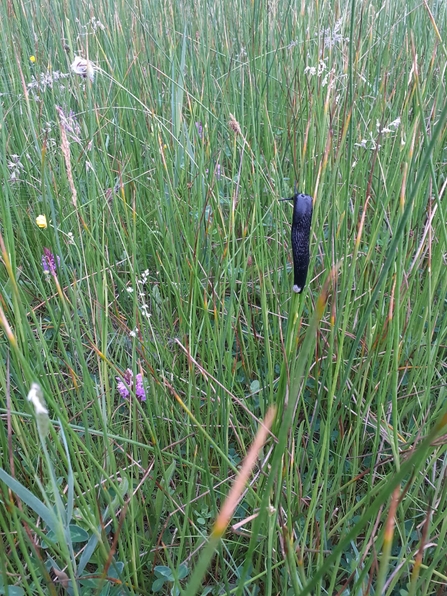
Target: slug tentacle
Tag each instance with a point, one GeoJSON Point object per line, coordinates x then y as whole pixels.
{"type": "Point", "coordinates": [302, 218]}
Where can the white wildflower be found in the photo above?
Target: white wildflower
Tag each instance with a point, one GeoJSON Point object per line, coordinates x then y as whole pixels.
{"type": "Point", "coordinates": [316, 70]}
{"type": "Point", "coordinates": [329, 78]}
{"type": "Point", "coordinates": [311, 70]}
{"type": "Point", "coordinates": [332, 37]}
{"type": "Point", "coordinates": [392, 126]}
{"type": "Point", "coordinates": [144, 277]}
{"type": "Point", "coordinates": [15, 167]}
{"type": "Point", "coordinates": [321, 67]}
{"type": "Point", "coordinates": [83, 67]}
{"type": "Point", "coordinates": [96, 24]}
{"type": "Point", "coordinates": [395, 123]}
{"type": "Point", "coordinates": [145, 311]}
{"type": "Point", "coordinates": [46, 79]}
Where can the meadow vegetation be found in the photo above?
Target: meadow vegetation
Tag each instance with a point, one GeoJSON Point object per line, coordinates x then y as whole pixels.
{"type": "Point", "coordinates": [146, 299]}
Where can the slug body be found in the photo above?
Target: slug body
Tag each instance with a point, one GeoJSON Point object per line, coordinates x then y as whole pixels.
{"type": "Point", "coordinates": [302, 218]}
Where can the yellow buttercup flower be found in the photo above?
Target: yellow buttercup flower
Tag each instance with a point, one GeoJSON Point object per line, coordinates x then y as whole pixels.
{"type": "Point", "coordinates": [41, 221]}
{"type": "Point", "coordinates": [32, 59]}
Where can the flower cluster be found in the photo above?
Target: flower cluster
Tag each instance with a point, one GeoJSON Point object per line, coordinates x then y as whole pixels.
{"type": "Point", "coordinates": [15, 168]}
{"type": "Point", "coordinates": [126, 384]}
{"type": "Point", "coordinates": [141, 282]}
{"type": "Point", "coordinates": [92, 24]}
{"type": "Point", "coordinates": [49, 262]}
{"type": "Point", "coordinates": [316, 70]}
{"type": "Point", "coordinates": [371, 143]}
{"type": "Point", "coordinates": [333, 37]}
{"type": "Point", "coordinates": [46, 79]}
{"type": "Point", "coordinates": [199, 127]}
{"type": "Point", "coordinates": [69, 124]}
{"type": "Point", "coordinates": [96, 24]}
{"type": "Point", "coordinates": [392, 126]}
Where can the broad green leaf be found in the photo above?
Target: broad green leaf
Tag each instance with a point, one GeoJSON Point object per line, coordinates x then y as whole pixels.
{"type": "Point", "coordinates": [31, 500]}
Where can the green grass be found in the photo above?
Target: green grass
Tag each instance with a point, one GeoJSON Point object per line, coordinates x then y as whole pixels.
{"type": "Point", "coordinates": [160, 184]}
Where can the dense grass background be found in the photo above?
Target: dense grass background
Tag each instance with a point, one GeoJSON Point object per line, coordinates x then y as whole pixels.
{"type": "Point", "coordinates": [160, 184]}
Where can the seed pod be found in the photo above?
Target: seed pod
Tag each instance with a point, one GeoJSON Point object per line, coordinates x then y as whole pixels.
{"type": "Point", "coordinates": [302, 217]}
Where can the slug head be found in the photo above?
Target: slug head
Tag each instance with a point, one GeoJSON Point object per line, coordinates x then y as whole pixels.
{"type": "Point", "coordinates": [302, 217]}
{"type": "Point", "coordinates": [302, 207]}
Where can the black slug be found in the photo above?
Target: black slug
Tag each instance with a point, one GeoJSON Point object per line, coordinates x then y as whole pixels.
{"type": "Point", "coordinates": [302, 217]}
